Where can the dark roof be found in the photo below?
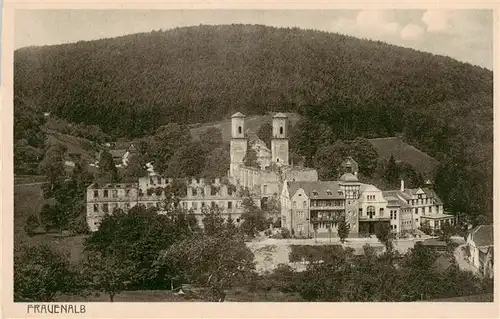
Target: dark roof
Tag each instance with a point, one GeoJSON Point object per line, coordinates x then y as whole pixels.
{"type": "Point", "coordinates": [321, 187]}
{"type": "Point", "coordinates": [404, 152]}
{"type": "Point", "coordinates": [483, 235]}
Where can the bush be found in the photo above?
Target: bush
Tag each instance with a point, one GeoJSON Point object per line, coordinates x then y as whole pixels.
{"type": "Point", "coordinates": [31, 225]}
{"type": "Point", "coordinates": [268, 232]}
{"type": "Point", "coordinates": [158, 191]}
{"type": "Point", "coordinates": [277, 236]}
{"type": "Point", "coordinates": [285, 233]}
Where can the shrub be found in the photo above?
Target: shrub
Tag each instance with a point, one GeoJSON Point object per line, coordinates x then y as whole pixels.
{"type": "Point", "coordinates": [158, 191]}
{"type": "Point", "coordinates": [31, 225]}
{"type": "Point", "coordinates": [285, 233]}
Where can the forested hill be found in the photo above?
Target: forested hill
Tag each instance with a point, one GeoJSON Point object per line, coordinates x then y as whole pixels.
{"type": "Point", "coordinates": [132, 84]}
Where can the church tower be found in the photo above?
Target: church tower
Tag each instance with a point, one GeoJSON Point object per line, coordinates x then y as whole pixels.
{"type": "Point", "coordinates": [238, 142]}
{"type": "Point", "coordinates": [279, 140]}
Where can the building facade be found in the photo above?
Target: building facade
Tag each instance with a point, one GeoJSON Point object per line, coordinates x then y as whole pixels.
{"type": "Point", "coordinates": [314, 207]}
{"type": "Point", "coordinates": [264, 181]}
{"type": "Point", "coordinates": [149, 191]}
{"type": "Point", "coordinates": [480, 242]}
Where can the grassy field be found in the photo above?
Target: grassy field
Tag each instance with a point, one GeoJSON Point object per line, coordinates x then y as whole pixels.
{"type": "Point", "coordinates": [28, 200]}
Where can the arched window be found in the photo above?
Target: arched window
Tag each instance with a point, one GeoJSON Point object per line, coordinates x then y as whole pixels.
{"type": "Point", "coordinates": [239, 129]}
{"type": "Point", "coordinates": [277, 160]}
{"type": "Point", "coordinates": [281, 130]}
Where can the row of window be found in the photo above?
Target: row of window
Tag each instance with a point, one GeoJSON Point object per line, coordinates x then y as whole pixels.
{"type": "Point", "coordinates": [394, 227]}
{"type": "Point", "coordinates": [370, 197]}
{"type": "Point", "coordinates": [328, 193]}
{"type": "Point", "coordinates": [304, 204]}
{"type": "Point", "coordinates": [106, 208]}
{"type": "Point", "coordinates": [300, 215]}
{"type": "Point", "coordinates": [370, 211]}
{"type": "Point", "coordinates": [114, 193]}
{"type": "Point", "coordinates": [419, 210]}
{"type": "Point", "coordinates": [154, 180]}
{"type": "Point", "coordinates": [421, 201]}
{"type": "Point", "coordinates": [327, 203]}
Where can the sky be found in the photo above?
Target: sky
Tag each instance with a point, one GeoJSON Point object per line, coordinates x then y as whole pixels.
{"type": "Point", "coordinates": [465, 35]}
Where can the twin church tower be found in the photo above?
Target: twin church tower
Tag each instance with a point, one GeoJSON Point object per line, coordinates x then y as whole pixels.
{"type": "Point", "coordinates": [239, 141]}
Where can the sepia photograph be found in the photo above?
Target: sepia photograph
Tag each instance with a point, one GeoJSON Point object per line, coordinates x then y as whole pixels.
{"type": "Point", "coordinates": [338, 155]}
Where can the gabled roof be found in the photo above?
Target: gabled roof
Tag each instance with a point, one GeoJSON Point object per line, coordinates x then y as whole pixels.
{"type": "Point", "coordinates": [280, 115]}
{"type": "Point", "coordinates": [320, 187]}
{"type": "Point", "coordinates": [409, 193]}
{"type": "Point", "coordinates": [238, 114]}
{"type": "Point", "coordinates": [483, 235]}
{"type": "Point", "coordinates": [394, 200]}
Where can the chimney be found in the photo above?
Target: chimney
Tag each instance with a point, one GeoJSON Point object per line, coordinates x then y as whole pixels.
{"type": "Point", "coordinates": [402, 185]}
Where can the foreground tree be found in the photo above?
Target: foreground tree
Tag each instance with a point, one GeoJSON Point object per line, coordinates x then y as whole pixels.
{"type": "Point", "coordinates": [41, 274]}
{"type": "Point", "coordinates": [215, 262]}
{"type": "Point", "coordinates": [109, 274]}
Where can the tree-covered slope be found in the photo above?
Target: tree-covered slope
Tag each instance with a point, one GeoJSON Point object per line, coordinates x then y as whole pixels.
{"type": "Point", "coordinates": [132, 84]}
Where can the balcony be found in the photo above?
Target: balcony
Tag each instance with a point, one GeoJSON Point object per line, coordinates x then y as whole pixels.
{"type": "Point", "coordinates": [322, 208]}
{"type": "Point", "coordinates": [373, 218]}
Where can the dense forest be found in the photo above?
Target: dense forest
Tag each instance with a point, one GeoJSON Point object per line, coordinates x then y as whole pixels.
{"type": "Point", "coordinates": [200, 74]}
{"type": "Point", "coordinates": [342, 86]}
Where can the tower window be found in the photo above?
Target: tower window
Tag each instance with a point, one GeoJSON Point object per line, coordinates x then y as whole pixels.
{"type": "Point", "coordinates": [239, 129]}
{"type": "Point", "coordinates": [277, 160]}
{"type": "Point", "coordinates": [281, 130]}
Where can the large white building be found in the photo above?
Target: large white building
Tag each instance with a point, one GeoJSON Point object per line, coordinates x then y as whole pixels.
{"type": "Point", "coordinates": [150, 191]}
{"type": "Point", "coordinates": [263, 182]}
{"type": "Point", "coordinates": [309, 208]}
